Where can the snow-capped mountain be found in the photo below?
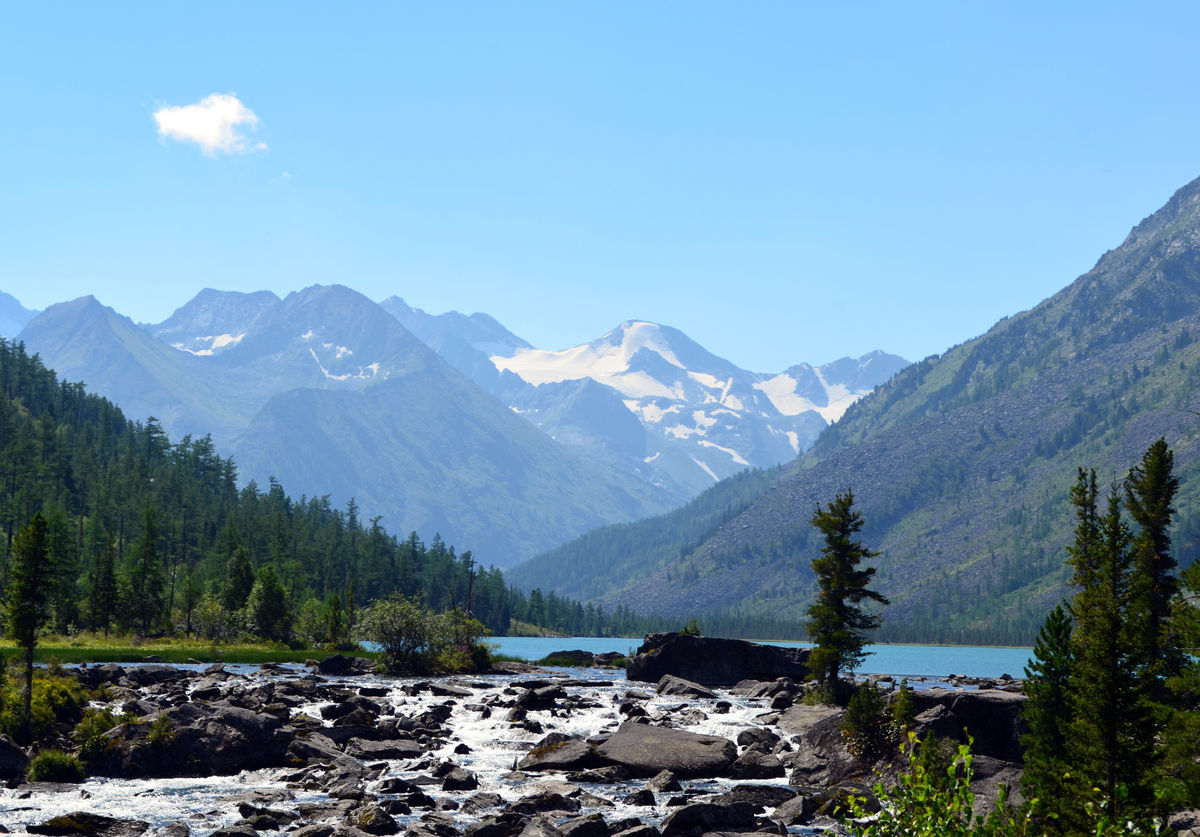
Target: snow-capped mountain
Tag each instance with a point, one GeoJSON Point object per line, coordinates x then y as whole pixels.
{"type": "Point", "coordinates": [704, 418]}
{"type": "Point", "coordinates": [648, 398]}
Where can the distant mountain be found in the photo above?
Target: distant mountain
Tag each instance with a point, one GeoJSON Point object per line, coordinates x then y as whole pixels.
{"type": "Point", "coordinates": [961, 464]}
{"type": "Point", "coordinates": [13, 316]}
{"type": "Point", "coordinates": [330, 394]}
{"type": "Point", "coordinates": [648, 399]}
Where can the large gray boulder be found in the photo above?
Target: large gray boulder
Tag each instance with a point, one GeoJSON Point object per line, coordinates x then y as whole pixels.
{"type": "Point", "coordinates": [13, 760]}
{"type": "Point", "coordinates": [646, 750]}
{"type": "Point", "coordinates": [992, 717]}
{"type": "Point", "coordinates": [714, 662]}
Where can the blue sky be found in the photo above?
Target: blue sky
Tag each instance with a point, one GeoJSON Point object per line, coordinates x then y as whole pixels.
{"type": "Point", "coordinates": [785, 182]}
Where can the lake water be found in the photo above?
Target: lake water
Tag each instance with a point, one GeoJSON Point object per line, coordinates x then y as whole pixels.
{"type": "Point", "coordinates": [910, 660]}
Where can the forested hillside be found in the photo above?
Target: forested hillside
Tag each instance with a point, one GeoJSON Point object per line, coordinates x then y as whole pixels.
{"type": "Point", "coordinates": [150, 533]}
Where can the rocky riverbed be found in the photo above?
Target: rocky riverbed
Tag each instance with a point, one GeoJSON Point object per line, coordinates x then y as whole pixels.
{"type": "Point", "coordinates": [243, 750]}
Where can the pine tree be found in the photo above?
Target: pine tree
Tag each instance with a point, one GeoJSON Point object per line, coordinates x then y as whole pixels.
{"type": "Point", "coordinates": [1112, 736]}
{"type": "Point", "coordinates": [31, 580]}
{"type": "Point", "coordinates": [836, 621]}
{"type": "Point", "coordinates": [102, 602]}
{"type": "Point", "coordinates": [1048, 715]}
{"type": "Point", "coordinates": [239, 581]}
{"type": "Point", "coordinates": [1149, 493]}
{"type": "Point", "coordinates": [145, 578]}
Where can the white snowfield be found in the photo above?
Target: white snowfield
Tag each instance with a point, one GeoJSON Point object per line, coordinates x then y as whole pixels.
{"type": "Point", "coordinates": [710, 406]}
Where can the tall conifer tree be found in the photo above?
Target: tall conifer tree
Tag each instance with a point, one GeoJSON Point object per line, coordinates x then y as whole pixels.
{"type": "Point", "coordinates": [836, 621]}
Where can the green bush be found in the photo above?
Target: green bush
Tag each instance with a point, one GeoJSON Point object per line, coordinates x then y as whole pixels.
{"type": "Point", "coordinates": [929, 801]}
{"type": "Point", "coordinates": [867, 726]}
{"type": "Point", "coordinates": [89, 732]}
{"type": "Point", "coordinates": [904, 706]}
{"type": "Point", "coordinates": [54, 766]}
{"type": "Point", "coordinates": [56, 700]}
{"type": "Point", "coordinates": [416, 640]}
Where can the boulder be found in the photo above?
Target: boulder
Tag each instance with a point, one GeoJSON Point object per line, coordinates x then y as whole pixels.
{"type": "Point", "coordinates": [714, 662]}
{"type": "Point", "coordinates": [677, 686]}
{"type": "Point", "coordinates": [705, 817]}
{"type": "Point", "coordinates": [560, 752]}
{"type": "Point", "coordinates": [93, 825]}
{"type": "Point", "coordinates": [13, 760]}
{"type": "Point", "coordinates": [645, 750]}
{"type": "Point", "coordinates": [991, 716]}
{"type": "Point", "coordinates": [574, 657]}
{"type": "Point", "coordinates": [338, 665]}
{"type": "Point", "coordinates": [377, 750]}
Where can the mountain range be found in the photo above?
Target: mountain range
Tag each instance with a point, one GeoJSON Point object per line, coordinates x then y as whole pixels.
{"type": "Point", "coordinates": [448, 424]}
{"type": "Point", "coordinates": [961, 465]}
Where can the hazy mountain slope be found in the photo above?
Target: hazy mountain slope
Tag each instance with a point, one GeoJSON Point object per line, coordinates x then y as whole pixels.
{"type": "Point", "coordinates": [13, 315]}
{"type": "Point", "coordinates": [961, 464]}
{"type": "Point", "coordinates": [605, 561]}
{"type": "Point", "coordinates": [328, 392]}
{"type": "Point", "coordinates": [84, 340]}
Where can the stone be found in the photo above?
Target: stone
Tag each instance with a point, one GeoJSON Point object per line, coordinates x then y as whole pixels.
{"type": "Point", "coordinates": [558, 751]}
{"type": "Point", "coordinates": [714, 662]}
{"type": "Point", "coordinates": [375, 750]}
{"type": "Point", "coordinates": [705, 817]}
{"type": "Point", "coordinates": [92, 825]}
{"type": "Point", "coordinates": [591, 825]}
{"type": "Point", "coordinates": [645, 750]}
{"type": "Point", "coordinates": [13, 760]}
{"type": "Point", "coordinates": [755, 764]}
{"type": "Point", "coordinates": [669, 684]}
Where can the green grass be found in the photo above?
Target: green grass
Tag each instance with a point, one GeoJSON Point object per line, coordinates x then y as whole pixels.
{"type": "Point", "coordinates": [95, 649]}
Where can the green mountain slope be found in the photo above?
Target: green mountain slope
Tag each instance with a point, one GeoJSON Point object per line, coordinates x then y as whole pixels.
{"type": "Point", "coordinates": [961, 464]}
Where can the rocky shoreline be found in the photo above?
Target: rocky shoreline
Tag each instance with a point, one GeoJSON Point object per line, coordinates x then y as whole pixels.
{"type": "Point", "coordinates": [341, 751]}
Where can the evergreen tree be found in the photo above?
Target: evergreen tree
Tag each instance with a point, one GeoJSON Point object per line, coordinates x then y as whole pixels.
{"type": "Point", "coordinates": [1182, 734]}
{"type": "Point", "coordinates": [146, 579]}
{"type": "Point", "coordinates": [267, 606]}
{"type": "Point", "coordinates": [239, 581]}
{"type": "Point", "coordinates": [1112, 735]}
{"type": "Point", "coordinates": [31, 580]}
{"type": "Point", "coordinates": [1149, 493]}
{"type": "Point", "coordinates": [102, 602]}
{"type": "Point", "coordinates": [1048, 715]}
{"type": "Point", "coordinates": [836, 621]}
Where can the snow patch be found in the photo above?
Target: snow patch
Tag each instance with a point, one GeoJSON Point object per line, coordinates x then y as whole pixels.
{"type": "Point", "coordinates": [650, 413]}
{"type": "Point", "coordinates": [601, 360]}
{"type": "Point", "coordinates": [361, 374]}
{"type": "Point", "coordinates": [733, 454]}
{"type": "Point", "coordinates": [707, 469]}
{"type": "Point", "coordinates": [214, 341]}
{"type": "Point", "coordinates": [794, 438]}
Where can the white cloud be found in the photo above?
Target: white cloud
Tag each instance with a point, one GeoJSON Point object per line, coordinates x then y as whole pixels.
{"type": "Point", "coordinates": [215, 123]}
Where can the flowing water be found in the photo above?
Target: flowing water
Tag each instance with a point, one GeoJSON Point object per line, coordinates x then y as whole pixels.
{"type": "Point", "coordinates": [206, 804]}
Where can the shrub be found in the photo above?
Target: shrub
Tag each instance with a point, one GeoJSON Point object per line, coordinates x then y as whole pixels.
{"type": "Point", "coordinates": [54, 766]}
{"type": "Point", "coordinates": [55, 700]}
{"type": "Point", "coordinates": [416, 640]}
{"type": "Point", "coordinates": [938, 802]}
{"type": "Point", "coordinates": [904, 706]}
{"type": "Point", "coordinates": [89, 732]}
{"type": "Point", "coordinates": [867, 726]}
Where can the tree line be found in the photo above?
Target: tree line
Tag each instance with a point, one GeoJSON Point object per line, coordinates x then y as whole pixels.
{"type": "Point", "coordinates": [145, 535]}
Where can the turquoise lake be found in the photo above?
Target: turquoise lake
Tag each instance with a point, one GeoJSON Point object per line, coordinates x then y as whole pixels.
{"type": "Point", "coordinates": [910, 660]}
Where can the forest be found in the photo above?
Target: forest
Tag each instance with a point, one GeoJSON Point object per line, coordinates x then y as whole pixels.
{"type": "Point", "coordinates": [155, 537]}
